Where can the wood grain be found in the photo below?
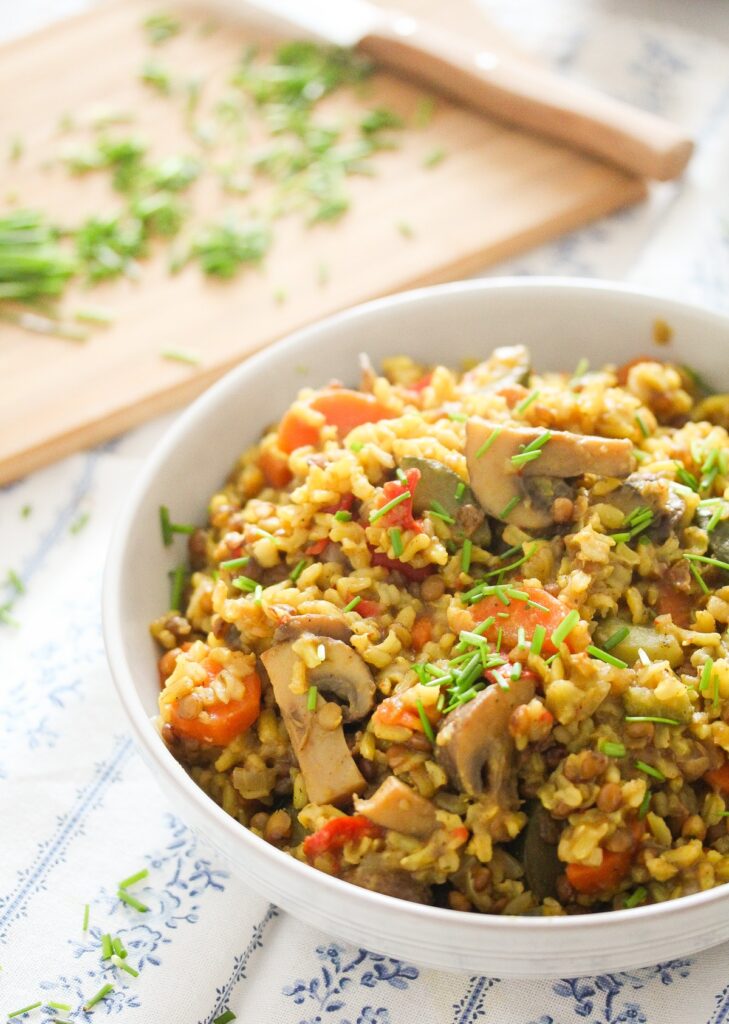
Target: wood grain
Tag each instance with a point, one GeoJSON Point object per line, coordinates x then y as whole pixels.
{"type": "Point", "coordinates": [498, 192]}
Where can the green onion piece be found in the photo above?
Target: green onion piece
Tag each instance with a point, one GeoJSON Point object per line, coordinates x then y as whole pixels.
{"type": "Point", "coordinates": [522, 458]}
{"type": "Point", "coordinates": [78, 524]}
{"type": "Point", "coordinates": [436, 509]}
{"type": "Point", "coordinates": [499, 638]}
{"type": "Point", "coordinates": [615, 638]}
{"type": "Point", "coordinates": [235, 563]}
{"type": "Point", "coordinates": [245, 583]}
{"type": "Point", "coordinates": [59, 1006]}
{"type": "Point", "coordinates": [311, 698]}
{"type": "Point", "coordinates": [124, 896]}
{"type": "Point", "coordinates": [460, 490]}
{"type": "Point", "coordinates": [356, 446]}
{"type": "Point", "coordinates": [177, 587]}
{"type": "Point", "coordinates": [106, 949]}
{"type": "Point", "coordinates": [144, 873]}
{"type": "Point", "coordinates": [57, 1020]}
{"type": "Point", "coordinates": [15, 582]}
{"type": "Point", "coordinates": [427, 727]}
{"type": "Point", "coordinates": [650, 770]}
{"type": "Point", "coordinates": [565, 627]}
{"type": "Point", "coordinates": [118, 962]}
{"type": "Point", "coordinates": [401, 475]}
{"type": "Point", "coordinates": [466, 553]}
{"type": "Point", "coordinates": [636, 898]}
{"type": "Point", "coordinates": [258, 594]}
{"type": "Point", "coordinates": [581, 369]}
{"type": "Point", "coordinates": [488, 442]}
{"type": "Point", "coordinates": [342, 516]}
{"type": "Point", "coordinates": [25, 511]}
{"type": "Point", "coordinates": [643, 428]}
{"type": "Point", "coordinates": [298, 569]}
{"type": "Point", "coordinates": [524, 405]}
{"type": "Point", "coordinates": [707, 561]}
{"type": "Point", "coordinates": [434, 157]}
{"type": "Point", "coordinates": [538, 639]}
{"type": "Point", "coordinates": [178, 355]}
{"type": "Point", "coordinates": [609, 659]}
{"type": "Point", "coordinates": [94, 315]}
{"type": "Point", "coordinates": [165, 525]}
{"type": "Point", "coordinates": [118, 947]}
{"type": "Point", "coordinates": [396, 541]}
{"type": "Point", "coordinates": [509, 507]}
{"type": "Point", "coordinates": [651, 718]}
{"type": "Point", "coordinates": [101, 994]}
{"type": "Point", "coordinates": [516, 671]}
{"type": "Point", "coordinates": [388, 506]}
{"type": "Point", "coordinates": [225, 1018]}
{"type": "Point", "coordinates": [706, 674]}
{"type": "Point", "coordinates": [521, 637]}
{"type": "Point", "coordinates": [85, 926]}
{"type": "Point", "coordinates": [352, 604]}
{"type": "Point", "coordinates": [715, 519]}
{"type": "Point", "coordinates": [612, 749]}
{"type": "Point", "coordinates": [24, 1009]}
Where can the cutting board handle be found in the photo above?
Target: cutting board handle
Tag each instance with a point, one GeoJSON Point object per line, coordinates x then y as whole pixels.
{"type": "Point", "coordinates": [549, 104]}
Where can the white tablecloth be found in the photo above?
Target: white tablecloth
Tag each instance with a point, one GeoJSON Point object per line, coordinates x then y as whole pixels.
{"type": "Point", "coordinates": [78, 809]}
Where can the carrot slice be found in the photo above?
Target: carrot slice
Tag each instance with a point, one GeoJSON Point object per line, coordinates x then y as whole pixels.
{"type": "Point", "coordinates": [520, 614]}
{"type": "Point", "coordinates": [676, 604]}
{"type": "Point", "coordinates": [345, 409]}
{"type": "Point", "coordinates": [718, 778]}
{"type": "Point", "coordinates": [421, 632]}
{"type": "Point", "coordinates": [590, 880]}
{"type": "Point", "coordinates": [295, 432]}
{"type": "Point", "coordinates": [222, 722]}
{"type": "Point", "coordinates": [275, 467]}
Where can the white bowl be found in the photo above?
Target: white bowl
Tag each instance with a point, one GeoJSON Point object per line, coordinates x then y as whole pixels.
{"type": "Point", "coordinates": [561, 321]}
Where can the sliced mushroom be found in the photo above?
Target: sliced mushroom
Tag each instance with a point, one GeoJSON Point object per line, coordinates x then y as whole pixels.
{"type": "Point", "coordinates": [507, 365]}
{"type": "Point", "coordinates": [395, 805]}
{"type": "Point", "coordinates": [475, 747]}
{"type": "Point", "coordinates": [318, 625]}
{"type": "Point", "coordinates": [719, 536]}
{"type": "Point", "coordinates": [500, 486]}
{"type": "Point", "coordinates": [330, 774]}
{"type": "Point", "coordinates": [658, 494]}
{"type": "Point", "coordinates": [439, 485]}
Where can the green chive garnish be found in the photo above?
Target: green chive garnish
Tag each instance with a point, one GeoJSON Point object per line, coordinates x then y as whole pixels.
{"type": "Point", "coordinates": [118, 962]}
{"type": "Point", "coordinates": [131, 901]}
{"type": "Point", "coordinates": [509, 507]}
{"type": "Point", "coordinates": [356, 446]}
{"type": "Point", "coordinates": [581, 369]}
{"type": "Point", "coordinates": [643, 428]}
{"type": "Point", "coordinates": [178, 355]}
{"type": "Point", "coordinates": [342, 516]}
{"type": "Point", "coordinates": [352, 604]}
{"type": "Point", "coordinates": [15, 582]}
{"type": "Point", "coordinates": [565, 627]}
{"type": "Point", "coordinates": [615, 638]}
{"type": "Point", "coordinates": [706, 674]}
{"type": "Point", "coordinates": [24, 1009]}
{"type": "Point", "coordinates": [524, 405]}
{"type": "Point", "coordinates": [707, 561]}
{"type": "Point", "coordinates": [457, 417]}
{"type": "Point", "coordinates": [609, 659]}
{"type": "Point", "coordinates": [488, 442]}
{"type": "Point", "coordinates": [636, 897]}
{"type": "Point", "coordinates": [176, 588]}
{"type": "Point", "coordinates": [118, 947]}
{"type": "Point", "coordinates": [427, 727]}
{"type": "Point", "coordinates": [85, 926]}
{"type": "Point", "coordinates": [644, 805]}
{"type": "Point", "coordinates": [59, 1006]}
{"type": "Point", "coordinates": [311, 698]}
{"type": "Point", "coordinates": [538, 639]}
{"type": "Point", "coordinates": [650, 770]}
{"type": "Point", "coordinates": [225, 1018]}
{"type": "Point", "coordinates": [651, 718]}
{"type": "Point", "coordinates": [106, 949]}
{"type": "Point", "coordinates": [460, 489]}
{"type": "Point", "coordinates": [165, 525]}
{"type": "Point", "coordinates": [401, 475]}
{"type": "Point", "coordinates": [101, 994]}
{"type": "Point", "coordinates": [298, 569]}
{"type": "Point", "coordinates": [144, 873]}
{"type": "Point", "coordinates": [393, 503]}
{"type": "Point", "coordinates": [466, 555]}
{"type": "Point", "coordinates": [245, 583]}
{"type": "Point", "coordinates": [437, 510]}
{"type": "Point", "coordinates": [613, 749]}
{"type": "Point", "coordinates": [94, 315]}
{"type": "Point", "coordinates": [396, 541]}
{"type": "Point", "coordinates": [235, 563]}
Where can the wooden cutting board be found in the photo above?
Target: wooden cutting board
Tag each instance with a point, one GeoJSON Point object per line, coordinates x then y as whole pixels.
{"type": "Point", "coordinates": [497, 192]}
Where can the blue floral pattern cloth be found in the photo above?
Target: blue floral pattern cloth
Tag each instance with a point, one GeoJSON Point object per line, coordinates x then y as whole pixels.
{"type": "Point", "coordinates": [79, 810]}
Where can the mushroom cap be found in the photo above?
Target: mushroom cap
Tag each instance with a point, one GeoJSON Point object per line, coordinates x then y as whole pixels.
{"type": "Point", "coordinates": [439, 485]}
{"type": "Point", "coordinates": [476, 736]}
{"type": "Point", "coordinates": [496, 482]}
{"type": "Point", "coordinates": [396, 806]}
{"type": "Point", "coordinates": [318, 625]}
{"type": "Point", "coordinates": [344, 674]}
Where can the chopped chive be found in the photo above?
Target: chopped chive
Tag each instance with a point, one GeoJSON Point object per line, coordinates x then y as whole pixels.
{"type": "Point", "coordinates": [427, 727]}
{"type": "Point", "coordinates": [311, 698]}
{"type": "Point", "coordinates": [235, 563]}
{"type": "Point", "coordinates": [509, 507]}
{"type": "Point", "coordinates": [514, 565]}
{"type": "Point", "coordinates": [565, 627]}
{"type": "Point", "coordinates": [636, 898]}
{"type": "Point", "coordinates": [499, 638]}
{"type": "Point", "coordinates": [101, 994]}
{"type": "Point", "coordinates": [581, 369]}
{"type": "Point", "coordinates": [79, 522]}
{"type": "Point", "coordinates": [178, 355]}
{"type": "Point", "coordinates": [706, 674]}
{"type": "Point", "coordinates": [165, 525]}
{"type": "Point", "coordinates": [352, 604]}
{"type": "Point", "coordinates": [245, 583]}
{"type": "Point", "coordinates": [24, 1009]}
{"type": "Point", "coordinates": [177, 586]}
{"type": "Point", "coordinates": [650, 770]}
{"type": "Point", "coordinates": [521, 637]}
{"type": "Point", "coordinates": [715, 519]}
{"type": "Point", "coordinates": [516, 671]}
{"type": "Point", "coordinates": [15, 582]}
{"type": "Point", "coordinates": [258, 594]}
{"type": "Point", "coordinates": [488, 442]}
{"type": "Point", "coordinates": [118, 947]}
{"type": "Point", "coordinates": [644, 804]}
{"type": "Point", "coordinates": [106, 949]}
{"type": "Point", "coordinates": [388, 506]}
{"type": "Point", "coordinates": [459, 490]}
{"type": "Point", "coordinates": [686, 478]}
{"type": "Point", "coordinates": [118, 962]}
{"type": "Point", "coordinates": [458, 417]}
{"type": "Point", "coordinates": [298, 569]}
{"type": "Point", "coordinates": [342, 516]}
{"type": "Point", "coordinates": [144, 873]}
{"type": "Point", "coordinates": [436, 509]}
{"type": "Point", "coordinates": [59, 1006]}
{"type": "Point", "coordinates": [466, 555]}
{"type": "Point", "coordinates": [225, 1018]}
{"type": "Point", "coordinates": [615, 638]}
{"type": "Point", "coordinates": [643, 428]}
{"type": "Point", "coordinates": [434, 157]}
{"type": "Point", "coordinates": [124, 896]}
{"type": "Point", "coordinates": [85, 926]}
{"type": "Point", "coordinates": [538, 639]}
{"type": "Point", "coordinates": [396, 541]}
{"type": "Point", "coordinates": [524, 405]}
{"type": "Point", "coordinates": [609, 659]}
{"type": "Point", "coordinates": [613, 749]}
{"type": "Point", "coordinates": [401, 475]}
{"type": "Point", "coordinates": [707, 561]}
{"type": "Point", "coordinates": [523, 457]}
{"type": "Point", "coordinates": [651, 718]}
{"type": "Point", "coordinates": [356, 446]}
{"type": "Point", "coordinates": [26, 511]}
{"type": "Point", "coordinates": [94, 315]}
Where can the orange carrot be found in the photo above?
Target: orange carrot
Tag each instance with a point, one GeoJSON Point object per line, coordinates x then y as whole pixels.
{"type": "Point", "coordinates": [421, 632]}
{"type": "Point", "coordinates": [590, 880]}
{"type": "Point", "coordinates": [275, 467]}
{"type": "Point", "coordinates": [345, 409]}
{"type": "Point", "coordinates": [394, 711]}
{"type": "Point", "coordinates": [295, 432]}
{"type": "Point", "coordinates": [674, 603]}
{"type": "Point", "coordinates": [718, 778]}
{"type": "Point", "coordinates": [220, 723]}
{"type": "Point", "coordinates": [519, 613]}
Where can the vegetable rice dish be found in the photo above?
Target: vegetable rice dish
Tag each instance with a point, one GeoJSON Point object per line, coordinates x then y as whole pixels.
{"type": "Point", "coordinates": [462, 636]}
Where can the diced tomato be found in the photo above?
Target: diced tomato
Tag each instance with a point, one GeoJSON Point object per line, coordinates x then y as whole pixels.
{"type": "Point", "coordinates": [521, 614]}
{"type": "Point", "coordinates": [408, 571]}
{"type": "Point", "coordinates": [368, 609]}
{"type": "Point", "coordinates": [223, 722]}
{"type": "Point", "coordinates": [402, 514]}
{"type": "Point", "coordinates": [395, 711]}
{"type": "Point", "coordinates": [718, 778]}
{"type": "Point", "coordinates": [333, 836]}
{"type": "Point", "coordinates": [421, 632]}
{"type": "Point", "coordinates": [422, 383]}
{"type": "Point", "coordinates": [675, 603]}
{"type": "Point", "coordinates": [275, 467]}
{"type": "Point", "coordinates": [317, 547]}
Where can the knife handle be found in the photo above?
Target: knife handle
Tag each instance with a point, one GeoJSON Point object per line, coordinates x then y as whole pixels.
{"type": "Point", "coordinates": [514, 91]}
